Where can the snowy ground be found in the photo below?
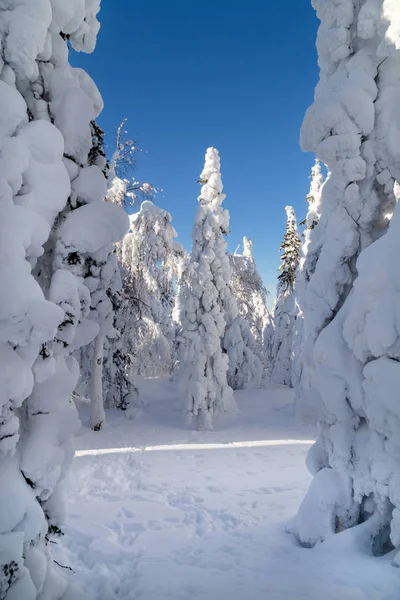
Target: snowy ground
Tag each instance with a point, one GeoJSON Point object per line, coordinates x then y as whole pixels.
{"type": "Point", "coordinates": [159, 512]}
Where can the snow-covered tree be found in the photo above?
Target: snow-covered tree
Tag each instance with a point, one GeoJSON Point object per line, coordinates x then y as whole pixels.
{"type": "Point", "coordinates": [350, 355]}
{"type": "Point", "coordinates": [245, 367]}
{"type": "Point", "coordinates": [268, 340]}
{"type": "Point", "coordinates": [306, 266]}
{"type": "Point", "coordinates": [119, 388]}
{"type": "Point", "coordinates": [251, 297]}
{"type": "Point", "coordinates": [314, 197]}
{"type": "Point", "coordinates": [284, 307]}
{"type": "Point", "coordinates": [203, 361]}
{"type": "Point", "coordinates": [103, 364]}
{"type": "Point", "coordinates": [106, 271]}
{"type": "Point", "coordinates": [89, 256]}
{"type": "Point", "coordinates": [150, 263]}
{"type": "Point", "coordinates": [281, 351]}
{"type": "Point", "coordinates": [290, 258]}
{"type": "Point", "coordinates": [178, 308]}
{"type": "Point", "coordinates": [48, 181]}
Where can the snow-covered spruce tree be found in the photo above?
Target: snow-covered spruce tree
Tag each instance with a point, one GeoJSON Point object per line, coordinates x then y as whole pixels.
{"type": "Point", "coordinates": [245, 367]}
{"type": "Point", "coordinates": [203, 361]}
{"type": "Point", "coordinates": [281, 351]}
{"type": "Point", "coordinates": [307, 264]}
{"type": "Point", "coordinates": [313, 198]}
{"type": "Point", "coordinates": [250, 294]}
{"type": "Point", "coordinates": [46, 112]}
{"type": "Point", "coordinates": [103, 363]}
{"type": "Point", "coordinates": [284, 308]}
{"type": "Point", "coordinates": [178, 309]}
{"type": "Point", "coordinates": [27, 320]}
{"type": "Point", "coordinates": [351, 349]}
{"type": "Point", "coordinates": [105, 269]}
{"type": "Point", "coordinates": [290, 258]}
{"type": "Point", "coordinates": [97, 264]}
{"type": "Point", "coordinates": [150, 262]}
{"type": "Point", "coordinates": [268, 341]}
{"type": "Point", "coordinates": [87, 231]}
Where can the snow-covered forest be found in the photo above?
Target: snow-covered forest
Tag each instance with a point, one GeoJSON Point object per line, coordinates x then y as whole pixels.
{"type": "Point", "coordinates": [169, 428]}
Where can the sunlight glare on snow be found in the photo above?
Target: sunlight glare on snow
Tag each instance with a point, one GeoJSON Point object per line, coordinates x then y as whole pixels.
{"type": "Point", "coordinates": [210, 446]}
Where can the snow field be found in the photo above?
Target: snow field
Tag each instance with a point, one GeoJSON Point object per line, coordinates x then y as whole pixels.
{"type": "Point", "coordinates": [175, 514]}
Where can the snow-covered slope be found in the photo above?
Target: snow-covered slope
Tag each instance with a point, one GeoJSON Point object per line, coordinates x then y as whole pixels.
{"type": "Point", "coordinates": [172, 514]}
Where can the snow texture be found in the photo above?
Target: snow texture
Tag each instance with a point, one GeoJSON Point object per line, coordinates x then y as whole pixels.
{"type": "Point", "coordinates": [160, 513]}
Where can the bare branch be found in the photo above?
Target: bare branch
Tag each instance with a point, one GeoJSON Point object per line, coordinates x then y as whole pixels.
{"type": "Point", "coordinates": [123, 164]}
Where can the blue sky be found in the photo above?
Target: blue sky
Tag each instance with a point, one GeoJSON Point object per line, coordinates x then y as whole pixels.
{"type": "Point", "coordinates": [237, 76]}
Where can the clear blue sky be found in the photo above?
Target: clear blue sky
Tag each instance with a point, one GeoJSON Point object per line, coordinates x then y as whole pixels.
{"type": "Point", "coordinates": [237, 76]}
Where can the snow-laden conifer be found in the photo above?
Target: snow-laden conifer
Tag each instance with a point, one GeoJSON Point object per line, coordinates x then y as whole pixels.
{"type": "Point", "coordinates": [350, 356]}
{"type": "Point", "coordinates": [250, 294]}
{"type": "Point", "coordinates": [313, 197]}
{"type": "Point", "coordinates": [245, 367]}
{"type": "Point", "coordinates": [281, 350]}
{"type": "Point", "coordinates": [284, 308]}
{"type": "Point", "coordinates": [203, 361]}
{"type": "Point", "coordinates": [290, 257]}
{"type": "Point", "coordinates": [104, 363]}
{"type": "Point", "coordinates": [307, 264]}
{"type": "Point", "coordinates": [49, 178]}
{"type": "Point", "coordinates": [150, 259]}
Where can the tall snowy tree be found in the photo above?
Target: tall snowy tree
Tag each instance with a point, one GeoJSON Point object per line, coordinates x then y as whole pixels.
{"type": "Point", "coordinates": [350, 356]}
{"type": "Point", "coordinates": [281, 351]}
{"type": "Point", "coordinates": [105, 281]}
{"type": "Point", "coordinates": [103, 366]}
{"type": "Point", "coordinates": [306, 266]}
{"type": "Point", "coordinates": [203, 362]}
{"type": "Point", "coordinates": [48, 181]}
{"type": "Point", "coordinates": [290, 258]}
{"type": "Point", "coordinates": [251, 297]}
{"type": "Point", "coordinates": [178, 308]}
{"type": "Point", "coordinates": [284, 308]}
{"type": "Point", "coordinates": [150, 261]}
